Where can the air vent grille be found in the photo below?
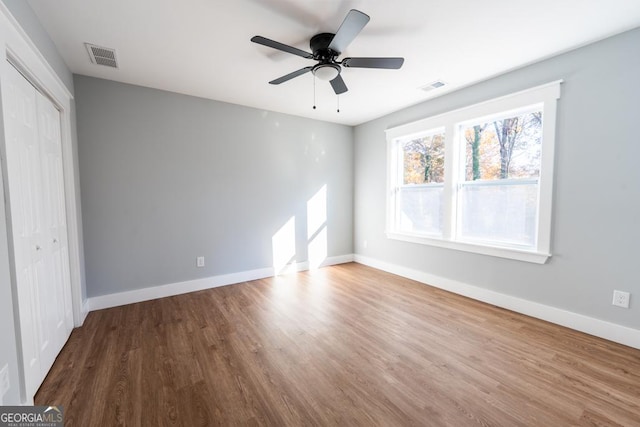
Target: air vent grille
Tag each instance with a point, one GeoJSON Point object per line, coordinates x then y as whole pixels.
{"type": "Point", "coordinates": [102, 55]}
{"type": "Point", "coordinates": [433, 85]}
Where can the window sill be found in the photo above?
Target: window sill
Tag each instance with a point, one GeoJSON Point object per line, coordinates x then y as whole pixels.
{"type": "Point", "coordinates": [501, 252]}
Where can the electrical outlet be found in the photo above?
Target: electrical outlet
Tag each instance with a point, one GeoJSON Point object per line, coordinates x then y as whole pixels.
{"type": "Point", "coordinates": [621, 299]}
{"type": "Point", "coordinates": [200, 261]}
{"type": "Point", "coordinates": [4, 380]}
{"type": "Point", "coordinates": [365, 244]}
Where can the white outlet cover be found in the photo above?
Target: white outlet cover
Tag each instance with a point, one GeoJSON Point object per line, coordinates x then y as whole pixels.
{"type": "Point", "coordinates": [621, 299]}
{"type": "Point", "coordinates": [200, 261]}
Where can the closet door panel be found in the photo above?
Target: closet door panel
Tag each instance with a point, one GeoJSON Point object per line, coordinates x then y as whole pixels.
{"type": "Point", "coordinates": [24, 192]}
{"type": "Point", "coordinates": [58, 308]}
{"type": "Point", "coordinates": [38, 225]}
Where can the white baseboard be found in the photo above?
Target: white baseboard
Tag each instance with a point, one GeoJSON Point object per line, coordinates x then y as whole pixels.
{"type": "Point", "coordinates": [600, 328]}
{"type": "Point", "coordinates": [171, 289]}
{"type": "Point", "coordinates": [84, 311]}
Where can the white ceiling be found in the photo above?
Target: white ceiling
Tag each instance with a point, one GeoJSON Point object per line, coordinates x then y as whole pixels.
{"type": "Point", "coordinates": [202, 47]}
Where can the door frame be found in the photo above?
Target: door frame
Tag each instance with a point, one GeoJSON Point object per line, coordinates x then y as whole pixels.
{"type": "Point", "coordinates": [18, 48]}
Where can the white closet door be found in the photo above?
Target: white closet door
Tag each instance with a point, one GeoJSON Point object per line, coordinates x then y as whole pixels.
{"type": "Point", "coordinates": [58, 318]}
{"type": "Point", "coordinates": [23, 170]}
{"type": "Point", "coordinates": [36, 200]}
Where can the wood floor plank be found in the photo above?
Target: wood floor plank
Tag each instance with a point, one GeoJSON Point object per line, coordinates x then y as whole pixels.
{"type": "Point", "coordinates": [343, 345]}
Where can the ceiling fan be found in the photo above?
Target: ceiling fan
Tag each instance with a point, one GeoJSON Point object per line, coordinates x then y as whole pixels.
{"type": "Point", "coordinates": [326, 47]}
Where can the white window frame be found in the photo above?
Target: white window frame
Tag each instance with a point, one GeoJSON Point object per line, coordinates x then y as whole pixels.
{"type": "Point", "coordinates": [398, 174]}
{"type": "Point", "coordinates": [545, 95]}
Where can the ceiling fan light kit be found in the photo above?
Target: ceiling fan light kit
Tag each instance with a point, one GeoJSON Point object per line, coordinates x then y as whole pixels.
{"type": "Point", "coordinates": [326, 48]}
{"type": "Point", "coordinates": [326, 72]}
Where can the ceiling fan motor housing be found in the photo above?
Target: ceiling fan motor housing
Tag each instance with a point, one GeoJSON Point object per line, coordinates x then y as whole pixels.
{"type": "Point", "coordinates": [327, 69]}
{"type": "Point", "coordinates": [320, 47]}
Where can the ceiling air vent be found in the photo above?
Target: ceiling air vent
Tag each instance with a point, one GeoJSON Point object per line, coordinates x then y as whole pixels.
{"type": "Point", "coordinates": [433, 85]}
{"type": "Point", "coordinates": [102, 55]}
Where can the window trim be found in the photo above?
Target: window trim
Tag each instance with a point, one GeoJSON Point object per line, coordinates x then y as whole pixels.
{"type": "Point", "coordinates": [546, 95]}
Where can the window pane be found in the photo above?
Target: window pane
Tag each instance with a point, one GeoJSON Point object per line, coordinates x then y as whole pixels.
{"type": "Point", "coordinates": [500, 213]}
{"type": "Point", "coordinates": [420, 209]}
{"type": "Point", "coordinates": [504, 148]}
{"type": "Point", "coordinates": [423, 160]}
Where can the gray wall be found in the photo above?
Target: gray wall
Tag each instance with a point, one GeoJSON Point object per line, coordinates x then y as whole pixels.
{"type": "Point", "coordinates": [27, 19]}
{"type": "Point", "coordinates": [168, 177]}
{"type": "Point", "coordinates": [597, 186]}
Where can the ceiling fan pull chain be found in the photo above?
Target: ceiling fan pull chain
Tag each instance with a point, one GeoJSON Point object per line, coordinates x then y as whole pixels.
{"type": "Point", "coordinates": [314, 91]}
{"type": "Point", "coordinates": [338, 98]}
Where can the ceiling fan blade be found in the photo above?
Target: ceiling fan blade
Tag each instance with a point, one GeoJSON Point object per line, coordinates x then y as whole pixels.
{"type": "Point", "coordinates": [349, 29]}
{"type": "Point", "coordinates": [388, 63]}
{"type": "Point", "coordinates": [338, 85]}
{"type": "Point", "coordinates": [290, 76]}
{"type": "Point", "coordinates": [280, 46]}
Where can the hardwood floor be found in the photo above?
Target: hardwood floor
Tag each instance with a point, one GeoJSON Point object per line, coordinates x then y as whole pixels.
{"type": "Point", "coordinates": [344, 345]}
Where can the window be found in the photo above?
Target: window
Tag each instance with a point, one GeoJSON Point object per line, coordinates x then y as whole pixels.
{"type": "Point", "coordinates": [420, 190]}
{"type": "Point", "coordinates": [477, 179]}
{"type": "Point", "coordinates": [498, 195]}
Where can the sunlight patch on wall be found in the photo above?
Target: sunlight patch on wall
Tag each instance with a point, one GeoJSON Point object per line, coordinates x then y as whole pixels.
{"type": "Point", "coordinates": [318, 249]}
{"type": "Point", "coordinates": [317, 212]}
{"type": "Point", "coordinates": [284, 246]}
{"type": "Point", "coordinates": [317, 228]}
